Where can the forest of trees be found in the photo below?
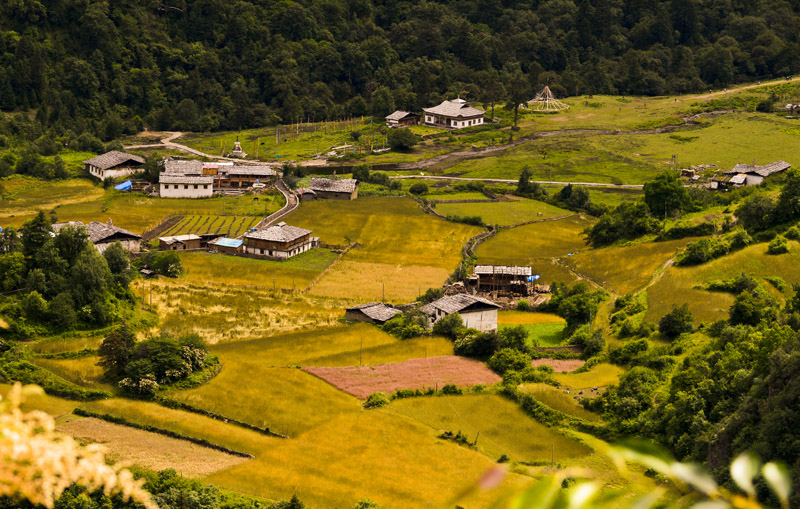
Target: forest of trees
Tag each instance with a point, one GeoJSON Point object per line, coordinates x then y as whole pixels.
{"type": "Point", "coordinates": [108, 68]}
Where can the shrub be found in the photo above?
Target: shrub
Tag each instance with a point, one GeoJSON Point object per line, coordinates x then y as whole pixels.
{"type": "Point", "coordinates": [591, 342]}
{"type": "Point", "coordinates": [702, 251]}
{"type": "Point", "coordinates": [376, 400]}
{"type": "Point", "coordinates": [523, 305]}
{"type": "Point", "coordinates": [676, 322]}
{"type": "Point", "coordinates": [792, 233]}
{"type": "Point", "coordinates": [509, 359]}
{"type": "Point", "coordinates": [418, 188]}
{"type": "Point", "coordinates": [777, 282]}
{"type": "Point", "coordinates": [476, 344]}
{"type": "Point", "coordinates": [778, 245]}
{"type": "Point", "coordinates": [450, 326]}
{"type": "Point", "coordinates": [451, 389]}
{"type": "Point", "coordinates": [431, 294]}
{"type": "Point", "coordinates": [402, 139]}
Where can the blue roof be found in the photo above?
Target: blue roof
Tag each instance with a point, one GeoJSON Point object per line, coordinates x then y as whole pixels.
{"type": "Point", "coordinates": [225, 242]}
{"type": "Point", "coordinates": [124, 186]}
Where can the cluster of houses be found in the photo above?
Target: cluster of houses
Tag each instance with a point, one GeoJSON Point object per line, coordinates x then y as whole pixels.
{"type": "Point", "coordinates": [450, 114]}
{"type": "Point", "coordinates": [277, 242]}
{"type": "Point", "coordinates": [198, 179]}
{"type": "Point", "coordinates": [476, 312]}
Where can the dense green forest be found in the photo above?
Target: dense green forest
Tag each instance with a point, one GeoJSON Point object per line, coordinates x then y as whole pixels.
{"type": "Point", "coordinates": [112, 67]}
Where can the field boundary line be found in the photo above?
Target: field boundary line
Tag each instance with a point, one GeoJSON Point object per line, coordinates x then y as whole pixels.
{"type": "Point", "coordinates": [122, 421]}
{"type": "Point", "coordinates": [179, 405]}
{"type": "Point", "coordinates": [316, 279]}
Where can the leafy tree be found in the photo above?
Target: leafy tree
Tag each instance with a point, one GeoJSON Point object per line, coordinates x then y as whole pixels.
{"type": "Point", "coordinates": [756, 212]}
{"type": "Point", "coordinates": [71, 241]}
{"type": "Point", "coordinates": [382, 102]}
{"type": "Point", "coordinates": [89, 277]}
{"type": "Point", "coordinates": [62, 311]}
{"type": "Point", "coordinates": [665, 195]}
{"type": "Point", "coordinates": [116, 350]}
{"type": "Point", "coordinates": [402, 139]}
{"type": "Point", "coordinates": [361, 172]}
{"type": "Point", "coordinates": [431, 294]}
{"type": "Point", "coordinates": [450, 326]}
{"type": "Point", "coordinates": [418, 188]}
{"type": "Point", "coordinates": [788, 207]}
{"type": "Point", "coordinates": [9, 241]}
{"type": "Point", "coordinates": [35, 233]}
{"type": "Point", "coordinates": [628, 220]}
{"type": "Point", "coordinates": [678, 321]}
{"type": "Point", "coordinates": [34, 306]}
{"type": "Point", "coordinates": [751, 307]}
{"type": "Point", "coordinates": [119, 264]}
{"type": "Point", "coordinates": [518, 91]}
{"type": "Point", "coordinates": [509, 359]}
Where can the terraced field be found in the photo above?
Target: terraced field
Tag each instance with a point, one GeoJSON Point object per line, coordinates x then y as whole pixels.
{"type": "Point", "coordinates": [228, 226]}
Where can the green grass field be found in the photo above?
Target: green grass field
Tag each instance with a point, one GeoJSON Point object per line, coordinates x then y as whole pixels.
{"type": "Point", "coordinates": [456, 195]}
{"type": "Point", "coordinates": [600, 375]}
{"type": "Point", "coordinates": [500, 425]}
{"type": "Point", "coordinates": [677, 286]}
{"type": "Point", "coordinates": [396, 241]}
{"type": "Point", "coordinates": [627, 268]}
{"type": "Point", "coordinates": [83, 371]}
{"type": "Point", "coordinates": [299, 271]}
{"type": "Point", "coordinates": [544, 329]}
{"type": "Point", "coordinates": [504, 213]}
{"type": "Point", "coordinates": [556, 399]}
{"type": "Point", "coordinates": [58, 344]}
{"type": "Point", "coordinates": [25, 196]}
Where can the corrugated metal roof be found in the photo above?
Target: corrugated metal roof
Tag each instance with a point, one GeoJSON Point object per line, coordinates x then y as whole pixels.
{"type": "Point", "coordinates": [225, 242]}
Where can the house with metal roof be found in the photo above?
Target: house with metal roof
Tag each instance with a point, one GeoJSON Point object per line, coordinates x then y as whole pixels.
{"type": "Point", "coordinates": [102, 235]}
{"type": "Point", "coordinates": [373, 312]}
{"type": "Point", "coordinates": [401, 118]}
{"type": "Point", "coordinates": [453, 114]}
{"type": "Point", "coordinates": [113, 164]}
{"type": "Point", "coordinates": [174, 185]}
{"type": "Point", "coordinates": [333, 188]}
{"type": "Point", "coordinates": [279, 241]}
{"type": "Point", "coordinates": [227, 246]}
{"type": "Point", "coordinates": [476, 312]}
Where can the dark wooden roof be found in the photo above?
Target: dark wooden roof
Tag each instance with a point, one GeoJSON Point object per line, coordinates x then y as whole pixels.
{"type": "Point", "coordinates": [377, 311]}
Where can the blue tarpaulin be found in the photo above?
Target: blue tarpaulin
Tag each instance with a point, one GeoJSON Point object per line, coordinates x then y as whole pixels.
{"type": "Point", "coordinates": [125, 186]}
{"type": "Point", "coordinates": [531, 279]}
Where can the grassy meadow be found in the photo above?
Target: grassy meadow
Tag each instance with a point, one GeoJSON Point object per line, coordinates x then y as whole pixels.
{"type": "Point", "coordinates": [500, 426]}
{"type": "Point", "coordinates": [557, 399]}
{"type": "Point", "coordinates": [298, 272]}
{"type": "Point", "coordinates": [503, 213]}
{"type": "Point", "coordinates": [396, 240]}
{"type": "Point", "coordinates": [544, 329]}
{"type": "Point", "coordinates": [25, 196]}
{"type": "Point", "coordinates": [600, 375]}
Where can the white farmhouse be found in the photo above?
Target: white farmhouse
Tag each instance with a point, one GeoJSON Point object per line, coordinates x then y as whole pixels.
{"type": "Point", "coordinates": [183, 186]}
{"type": "Point", "coordinates": [113, 164]}
{"type": "Point", "coordinates": [476, 312]}
{"type": "Point", "coordinates": [453, 114]}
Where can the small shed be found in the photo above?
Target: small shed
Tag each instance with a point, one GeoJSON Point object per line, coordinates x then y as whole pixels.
{"type": "Point", "coordinates": [113, 164]}
{"type": "Point", "coordinates": [333, 188]}
{"type": "Point", "coordinates": [307, 194]}
{"type": "Point", "coordinates": [373, 312]}
{"type": "Point", "coordinates": [228, 246]}
{"type": "Point", "coordinates": [180, 242]}
{"type": "Point", "coordinates": [402, 118]}
{"type": "Point", "coordinates": [147, 273]}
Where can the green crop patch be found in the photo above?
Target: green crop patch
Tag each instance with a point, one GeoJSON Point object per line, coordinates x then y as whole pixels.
{"type": "Point", "coordinates": [504, 213]}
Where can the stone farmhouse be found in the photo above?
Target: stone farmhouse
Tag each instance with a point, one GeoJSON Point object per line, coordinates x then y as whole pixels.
{"type": "Point", "coordinates": [103, 235]}
{"type": "Point", "coordinates": [279, 242]}
{"type": "Point", "coordinates": [113, 164]}
{"type": "Point", "coordinates": [453, 114]}
{"type": "Point", "coordinates": [476, 312]}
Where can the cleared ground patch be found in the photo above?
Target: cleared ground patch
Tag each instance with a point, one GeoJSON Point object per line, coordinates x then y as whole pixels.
{"type": "Point", "coordinates": [500, 426]}
{"type": "Point", "coordinates": [297, 272]}
{"type": "Point", "coordinates": [150, 450]}
{"type": "Point", "coordinates": [433, 372]}
{"type": "Point", "coordinates": [600, 375]}
{"type": "Point", "coordinates": [559, 365]}
{"type": "Point", "coordinates": [503, 213]}
{"type": "Point", "coordinates": [557, 399]}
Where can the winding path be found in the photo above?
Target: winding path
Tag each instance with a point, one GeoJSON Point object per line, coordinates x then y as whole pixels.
{"type": "Point", "coordinates": [169, 143]}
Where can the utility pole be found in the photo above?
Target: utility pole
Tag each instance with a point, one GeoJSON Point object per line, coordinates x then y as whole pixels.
{"type": "Point", "coordinates": [361, 352]}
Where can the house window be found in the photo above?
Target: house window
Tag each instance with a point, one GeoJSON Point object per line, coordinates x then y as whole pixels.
{"type": "Point", "coordinates": [186, 186]}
